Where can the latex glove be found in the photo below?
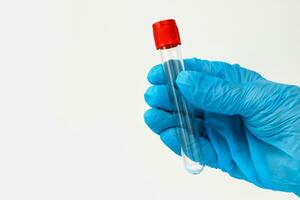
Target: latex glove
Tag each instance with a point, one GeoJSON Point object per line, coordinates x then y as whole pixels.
{"type": "Point", "coordinates": [251, 126]}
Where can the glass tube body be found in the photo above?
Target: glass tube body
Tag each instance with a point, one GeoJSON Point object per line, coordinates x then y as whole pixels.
{"type": "Point", "coordinates": [187, 136]}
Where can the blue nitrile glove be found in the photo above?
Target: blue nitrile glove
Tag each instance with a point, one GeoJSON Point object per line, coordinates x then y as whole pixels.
{"type": "Point", "coordinates": [251, 126]}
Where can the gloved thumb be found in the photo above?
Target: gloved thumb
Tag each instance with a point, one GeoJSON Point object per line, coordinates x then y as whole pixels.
{"type": "Point", "coordinates": [211, 93]}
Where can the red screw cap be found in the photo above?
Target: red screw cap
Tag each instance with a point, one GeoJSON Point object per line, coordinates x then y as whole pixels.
{"type": "Point", "coordinates": [166, 34]}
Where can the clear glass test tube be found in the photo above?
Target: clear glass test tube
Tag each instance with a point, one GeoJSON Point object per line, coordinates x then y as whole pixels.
{"type": "Point", "coordinates": [189, 141]}
{"type": "Point", "coordinates": [170, 53]}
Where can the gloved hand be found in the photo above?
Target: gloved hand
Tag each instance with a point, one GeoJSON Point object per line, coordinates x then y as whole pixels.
{"type": "Point", "coordinates": [249, 126]}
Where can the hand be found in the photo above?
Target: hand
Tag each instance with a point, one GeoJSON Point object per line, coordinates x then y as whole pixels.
{"type": "Point", "coordinates": [249, 126]}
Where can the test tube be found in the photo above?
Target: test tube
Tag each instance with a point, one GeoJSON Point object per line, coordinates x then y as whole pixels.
{"type": "Point", "coordinates": [167, 41]}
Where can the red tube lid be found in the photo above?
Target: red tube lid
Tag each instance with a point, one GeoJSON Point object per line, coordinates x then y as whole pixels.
{"type": "Point", "coordinates": [166, 34]}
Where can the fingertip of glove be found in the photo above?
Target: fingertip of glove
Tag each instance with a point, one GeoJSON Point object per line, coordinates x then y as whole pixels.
{"type": "Point", "coordinates": [185, 79]}
{"type": "Point", "coordinates": [155, 73]}
{"type": "Point", "coordinates": [148, 94]}
{"type": "Point", "coordinates": [190, 63]}
{"type": "Point", "coordinates": [149, 119]}
{"type": "Point", "coordinates": [157, 96]}
{"type": "Point", "coordinates": [147, 115]}
{"type": "Point", "coordinates": [169, 138]}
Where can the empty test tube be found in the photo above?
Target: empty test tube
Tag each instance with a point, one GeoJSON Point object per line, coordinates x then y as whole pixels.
{"type": "Point", "coordinates": [167, 41]}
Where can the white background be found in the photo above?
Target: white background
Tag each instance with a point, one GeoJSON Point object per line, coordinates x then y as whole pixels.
{"type": "Point", "coordinates": [72, 79]}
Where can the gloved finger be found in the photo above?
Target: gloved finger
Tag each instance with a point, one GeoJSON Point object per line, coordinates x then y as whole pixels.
{"type": "Point", "coordinates": [156, 75]}
{"type": "Point", "coordinates": [211, 93]}
{"type": "Point", "coordinates": [157, 96]}
{"type": "Point", "coordinates": [233, 73]}
{"type": "Point", "coordinates": [159, 120]}
{"type": "Point", "coordinates": [207, 154]}
{"type": "Point", "coordinates": [169, 138]}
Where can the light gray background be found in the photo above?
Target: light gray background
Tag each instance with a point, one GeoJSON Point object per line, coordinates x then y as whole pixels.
{"type": "Point", "coordinates": [72, 78]}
